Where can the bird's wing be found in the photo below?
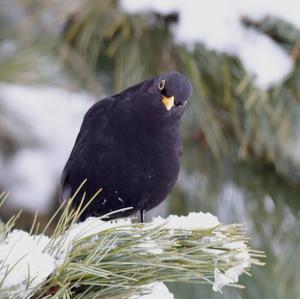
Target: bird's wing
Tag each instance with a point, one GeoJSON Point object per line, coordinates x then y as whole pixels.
{"type": "Point", "coordinates": [99, 110]}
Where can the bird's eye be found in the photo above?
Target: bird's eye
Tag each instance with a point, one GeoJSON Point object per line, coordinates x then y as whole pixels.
{"type": "Point", "coordinates": [161, 84]}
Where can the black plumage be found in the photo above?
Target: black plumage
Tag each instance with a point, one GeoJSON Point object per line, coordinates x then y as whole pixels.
{"type": "Point", "coordinates": [129, 145]}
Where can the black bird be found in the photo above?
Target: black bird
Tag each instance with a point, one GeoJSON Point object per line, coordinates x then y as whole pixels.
{"type": "Point", "coordinates": [129, 145]}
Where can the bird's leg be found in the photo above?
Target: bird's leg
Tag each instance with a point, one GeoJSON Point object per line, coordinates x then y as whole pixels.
{"type": "Point", "coordinates": [142, 215]}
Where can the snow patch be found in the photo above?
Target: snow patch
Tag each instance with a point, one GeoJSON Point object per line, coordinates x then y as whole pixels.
{"type": "Point", "coordinates": [191, 221]}
{"type": "Point", "coordinates": [156, 290]}
{"type": "Point", "coordinates": [24, 264]}
{"type": "Point", "coordinates": [91, 226]}
{"type": "Point", "coordinates": [151, 247]}
{"type": "Point", "coordinates": [231, 276]}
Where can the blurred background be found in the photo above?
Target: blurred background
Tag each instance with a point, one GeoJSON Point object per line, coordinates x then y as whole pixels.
{"type": "Point", "coordinates": [241, 158]}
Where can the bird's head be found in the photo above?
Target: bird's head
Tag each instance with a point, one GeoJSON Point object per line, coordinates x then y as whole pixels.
{"type": "Point", "coordinates": [172, 89]}
{"type": "Point", "coordinates": [164, 95]}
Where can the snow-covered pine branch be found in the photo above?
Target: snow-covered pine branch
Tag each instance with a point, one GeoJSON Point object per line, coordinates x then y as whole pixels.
{"type": "Point", "coordinates": [121, 259]}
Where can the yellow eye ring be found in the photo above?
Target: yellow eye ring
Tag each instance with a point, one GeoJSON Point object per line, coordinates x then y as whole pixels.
{"type": "Point", "coordinates": [161, 84]}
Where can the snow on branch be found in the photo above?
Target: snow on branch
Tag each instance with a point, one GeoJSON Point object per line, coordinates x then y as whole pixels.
{"type": "Point", "coordinates": [121, 259]}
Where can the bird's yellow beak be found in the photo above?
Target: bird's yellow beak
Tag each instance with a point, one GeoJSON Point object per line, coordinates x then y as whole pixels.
{"type": "Point", "coordinates": [168, 102]}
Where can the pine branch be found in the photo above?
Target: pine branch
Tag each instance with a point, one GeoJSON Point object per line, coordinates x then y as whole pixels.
{"type": "Point", "coordinates": [119, 259]}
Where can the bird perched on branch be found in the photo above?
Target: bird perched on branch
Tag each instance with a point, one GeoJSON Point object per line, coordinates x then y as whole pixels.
{"type": "Point", "coordinates": [129, 146]}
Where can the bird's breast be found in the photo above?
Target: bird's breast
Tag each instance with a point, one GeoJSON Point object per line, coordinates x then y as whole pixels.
{"type": "Point", "coordinates": [153, 154]}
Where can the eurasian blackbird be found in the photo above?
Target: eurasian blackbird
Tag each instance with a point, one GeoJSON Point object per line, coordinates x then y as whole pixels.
{"type": "Point", "coordinates": [129, 145]}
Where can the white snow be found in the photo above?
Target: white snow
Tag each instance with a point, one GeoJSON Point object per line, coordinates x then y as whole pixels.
{"type": "Point", "coordinates": [87, 228]}
{"type": "Point", "coordinates": [24, 265]}
{"type": "Point", "coordinates": [150, 246]}
{"type": "Point", "coordinates": [94, 225]}
{"type": "Point", "coordinates": [192, 221]}
{"type": "Point", "coordinates": [53, 117]}
{"type": "Point", "coordinates": [218, 25]}
{"type": "Point", "coordinates": [91, 226]}
{"type": "Point", "coordinates": [156, 291]}
{"type": "Point", "coordinates": [24, 257]}
{"type": "Point", "coordinates": [231, 275]}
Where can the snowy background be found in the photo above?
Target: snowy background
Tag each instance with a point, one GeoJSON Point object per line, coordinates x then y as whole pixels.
{"type": "Point", "coordinates": [53, 115]}
{"type": "Point", "coordinates": [41, 118]}
{"type": "Point", "coordinates": [221, 29]}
